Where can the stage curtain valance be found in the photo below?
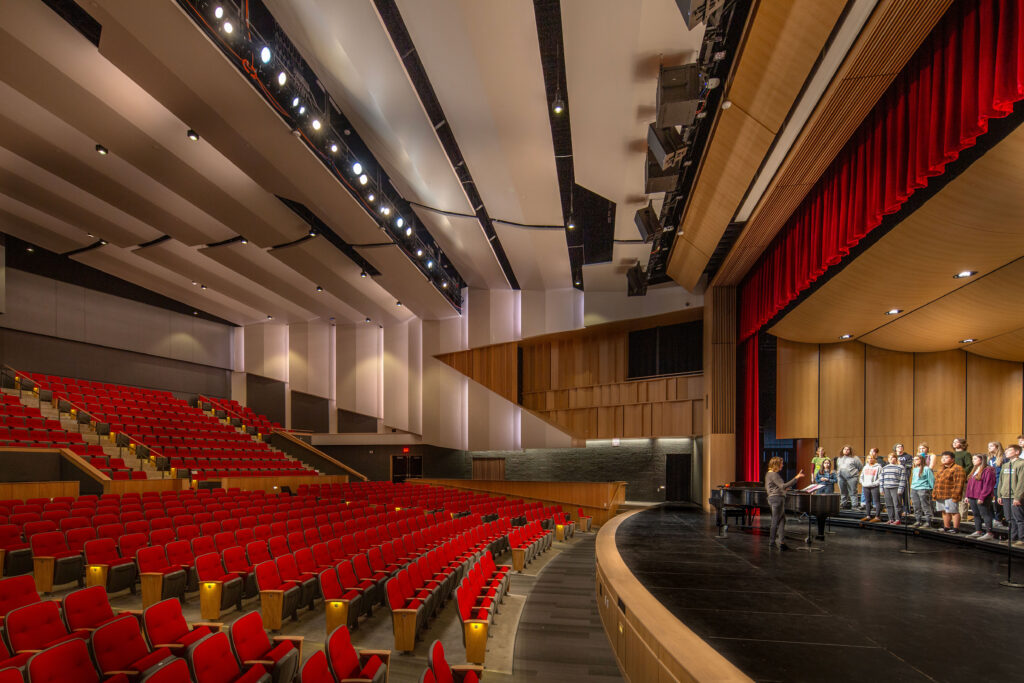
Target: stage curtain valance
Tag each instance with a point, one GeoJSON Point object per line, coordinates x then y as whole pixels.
{"type": "Point", "coordinates": [969, 70]}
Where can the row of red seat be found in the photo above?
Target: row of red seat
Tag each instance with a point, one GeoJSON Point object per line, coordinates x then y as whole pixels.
{"type": "Point", "coordinates": [158, 420]}
{"type": "Point", "coordinates": [247, 415]}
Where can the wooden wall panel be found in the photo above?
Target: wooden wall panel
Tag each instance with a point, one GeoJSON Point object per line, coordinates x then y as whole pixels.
{"type": "Point", "coordinates": [23, 490]}
{"type": "Point", "coordinates": [841, 401]}
{"type": "Point", "coordinates": [994, 401]}
{"type": "Point", "coordinates": [495, 367]}
{"type": "Point", "coordinates": [796, 390]}
{"type": "Point", "coordinates": [888, 399]}
{"type": "Point", "coordinates": [940, 397]}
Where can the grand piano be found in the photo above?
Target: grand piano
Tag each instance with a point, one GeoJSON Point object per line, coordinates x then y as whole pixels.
{"type": "Point", "coordinates": [742, 498]}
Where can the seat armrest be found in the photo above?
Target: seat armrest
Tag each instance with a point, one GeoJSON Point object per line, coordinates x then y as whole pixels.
{"type": "Point", "coordinates": [133, 612]}
{"type": "Point", "coordinates": [215, 625]}
{"type": "Point", "coordinates": [293, 639]}
{"type": "Point", "coordinates": [461, 670]}
{"type": "Point", "coordinates": [169, 646]}
{"type": "Point", "coordinates": [366, 654]}
{"type": "Point", "coordinates": [264, 662]}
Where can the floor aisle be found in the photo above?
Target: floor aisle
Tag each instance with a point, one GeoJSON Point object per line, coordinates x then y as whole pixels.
{"type": "Point", "coordinates": [860, 610]}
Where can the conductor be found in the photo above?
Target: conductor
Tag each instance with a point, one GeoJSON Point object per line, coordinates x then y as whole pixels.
{"type": "Point", "coordinates": [776, 490]}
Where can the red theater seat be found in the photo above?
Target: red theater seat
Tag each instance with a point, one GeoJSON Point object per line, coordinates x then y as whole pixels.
{"type": "Point", "coordinates": [118, 646]}
{"type": "Point", "coordinates": [444, 673]}
{"type": "Point", "coordinates": [54, 563]}
{"type": "Point", "coordinates": [252, 646]}
{"type": "Point", "coordinates": [37, 627]}
{"type": "Point", "coordinates": [67, 662]}
{"type": "Point", "coordinates": [347, 664]}
{"type": "Point", "coordinates": [87, 609]}
{"type": "Point", "coordinates": [211, 661]}
{"type": "Point", "coordinates": [165, 626]}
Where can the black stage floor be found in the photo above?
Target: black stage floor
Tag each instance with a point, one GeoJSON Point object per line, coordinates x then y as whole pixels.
{"type": "Point", "coordinates": [859, 611]}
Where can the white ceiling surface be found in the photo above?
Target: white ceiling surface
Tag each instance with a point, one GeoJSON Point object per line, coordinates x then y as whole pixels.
{"type": "Point", "coordinates": [349, 49]}
{"type": "Point", "coordinates": [613, 51]}
{"type": "Point", "coordinates": [406, 282]}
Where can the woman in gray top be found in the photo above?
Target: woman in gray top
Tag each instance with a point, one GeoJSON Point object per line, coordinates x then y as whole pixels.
{"type": "Point", "coordinates": [776, 489]}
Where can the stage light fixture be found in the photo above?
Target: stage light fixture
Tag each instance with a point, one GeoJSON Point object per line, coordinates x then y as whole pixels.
{"type": "Point", "coordinates": [713, 83]}
{"type": "Point", "coordinates": [218, 12]}
{"type": "Point", "coordinates": [103, 151]}
{"type": "Point", "coordinates": [700, 115]}
{"type": "Point", "coordinates": [192, 135]}
{"type": "Point", "coordinates": [558, 106]}
{"type": "Point", "coordinates": [965, 273]}
{"type": "Point", "coordinates": [726, 104]}
{"type": "Point", "coordinates": [357, 168]}
{"type": "Point", "coordinates": [302, 110]}
{"type": "Point", "coordinates": [444, 285]}
{"type": "Point", "coordinates": [316, 124]}
{"type": "Point", "coordinates": [363, 179]}
{"type": "Point", "coordinates": [399, 222]}
{"type": "Point", "coordinates": [195, 312]}
{"type": "Point", "coordinates": [894, 311]}
{"type": "Point", "coordinates": [334, 149]}
{"type": "Point", "coordinates": [846, 336]}
{"type": "Point", "coordinates": [265, 55]}
{"type": "Point", "coordinates": [103, 243]}
{"type": "Point", "coordinates": [577, 283]}
{"type": "Point", "coordinates": [228, 28]}
{"type": "Point", "coordinates": [385, 210]}
{"type": "Point", "coordinates": [370, 197]}
{"type": "Point", "coordinates": [430, 264]}
{"type": "Point", "coordinates": [968, 341]}
{"type": "Point", "coordinates": [31, 250]}
{"type": "Point", "coordinates": [408, 232]}
{"type": "Point", "coordinates": [362, 274]}
{"type": "Point", "coordinates": [295, 102]}
{"type": "Point", "coordinates": [282, 78]}
{"type": "Point", "coordinates": [571, 225]}
{"type": "Point", "coordinates": [419, 252]}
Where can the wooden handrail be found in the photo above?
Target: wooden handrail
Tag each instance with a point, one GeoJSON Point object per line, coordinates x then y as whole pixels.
{"type": "Point", "coordinates": [319, 453]}
{"type": "Point", "coordinates": [82, 464]}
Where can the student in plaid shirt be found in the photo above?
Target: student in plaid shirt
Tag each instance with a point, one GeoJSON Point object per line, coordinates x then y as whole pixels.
{"type": "Point", "coordinates": [950, 480]}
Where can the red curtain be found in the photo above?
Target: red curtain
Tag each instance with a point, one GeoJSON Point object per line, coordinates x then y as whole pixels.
{"type": "Point", "coordinates": [969, 70]}
{"type": "Point", "coordinates": [749, 446]}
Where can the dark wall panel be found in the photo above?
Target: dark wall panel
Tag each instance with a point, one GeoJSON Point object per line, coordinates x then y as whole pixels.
{"type": "Point", "coordinates": [266, 396]}
{"type": "Point", "coordinates": [311, 413]}
{"type": "Point", "coordinates": [38, 353]}
{"type": "Point", "coordinates": [355, 423]}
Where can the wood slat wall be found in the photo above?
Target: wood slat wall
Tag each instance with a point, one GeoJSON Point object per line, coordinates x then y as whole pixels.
{"type": "Point", "coordinates": [599, 499]}
{"type": "Point", "coordinates": [870, 397]}
{"type": "Point", "coordinates": [495, 367]}
{"type": "Point", "coordinates": [37, 489]}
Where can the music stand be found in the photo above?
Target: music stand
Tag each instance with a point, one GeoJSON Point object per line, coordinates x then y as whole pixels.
{"type": "Point", "coordinates": [1009, 582]}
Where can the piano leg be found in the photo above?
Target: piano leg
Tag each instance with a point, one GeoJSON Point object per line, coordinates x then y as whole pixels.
{"type": "Point", "coordinates": [822, 519]}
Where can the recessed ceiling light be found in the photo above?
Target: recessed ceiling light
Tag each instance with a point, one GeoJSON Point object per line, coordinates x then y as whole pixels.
{"type": "Point", "coordinates": [334, 149]}
{"type": "Point", "coordinates": [968, 341]}
{"type": "Point", "coordinates": [295, 102]}
{"type": "Point", "coordinates": [430, 264]}
{"type": "Point", "coordinates": [316, 124]}
{"type": "Point", "coordinates": [282, 78]}
{"type": "Point", "coordinates": [577, 283]}
{"type": "Point", "coordinates": [194, 283]}
{"type": "Point", "coordinates": [846, 336]}
{"type": "Point", "coordinates": [368, 320]}
{"type": "Point", "coordinates": [103, 243]}
{"type": "Point", "coordinates": [399, 222]}
{"type": "Point", "coordinates": [408, 232]}
{"type": "Point", "coordinates": [312, 233]}
{"type": "Point", "coordinates": [302, 110]}
{"type": "Point", "coordinates": [265, 55]}
{"type": "Point", "coordinates": [192, 135]}
{"type": "Point", "coordinates": [558, 106]}
{"type": "Point", "coordinates": [218, 12]}
{"type": "Point", "coordinates": [195, 312]}
{"type": "Point", "coordinates": [571, 225]}
{"type": "Point", "coordinates": [103, 151]}
{"type": "Point", "coordinates": [228, 28]}
{"type": "Point", "coordinates": [202, 286]}
{"type": "Point", "coordinates": [357, 168]}
{"type": "Point", "coordinates": [244, 241]}
{"type": "Point", "coordinates": [270, 317]}
{"type": "Point", "coordinates": [370, 197]}
{"type": "Point", "coordinates": [385, 210]}
{"type": "Point", "coordinates": [319, 288]}
{"type": "Point", "coordinates": [398, 303]}
{"type": "Point", "coordinates": [362, 274]}
{"type": "Point", "coordinates": [419, 252]}
{"type": "Point", "coordinates": [894, 311]}
{"type": "Point", "coordinates": [363, 179]}
{"type": "Point", "coordinates": [31, 250]}
{"type": "Point", "coordinates": [965, 273]}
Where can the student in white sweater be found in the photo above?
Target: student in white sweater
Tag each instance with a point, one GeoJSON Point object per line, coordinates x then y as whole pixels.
{"type": "Point", "coordinates": [870, 480]}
